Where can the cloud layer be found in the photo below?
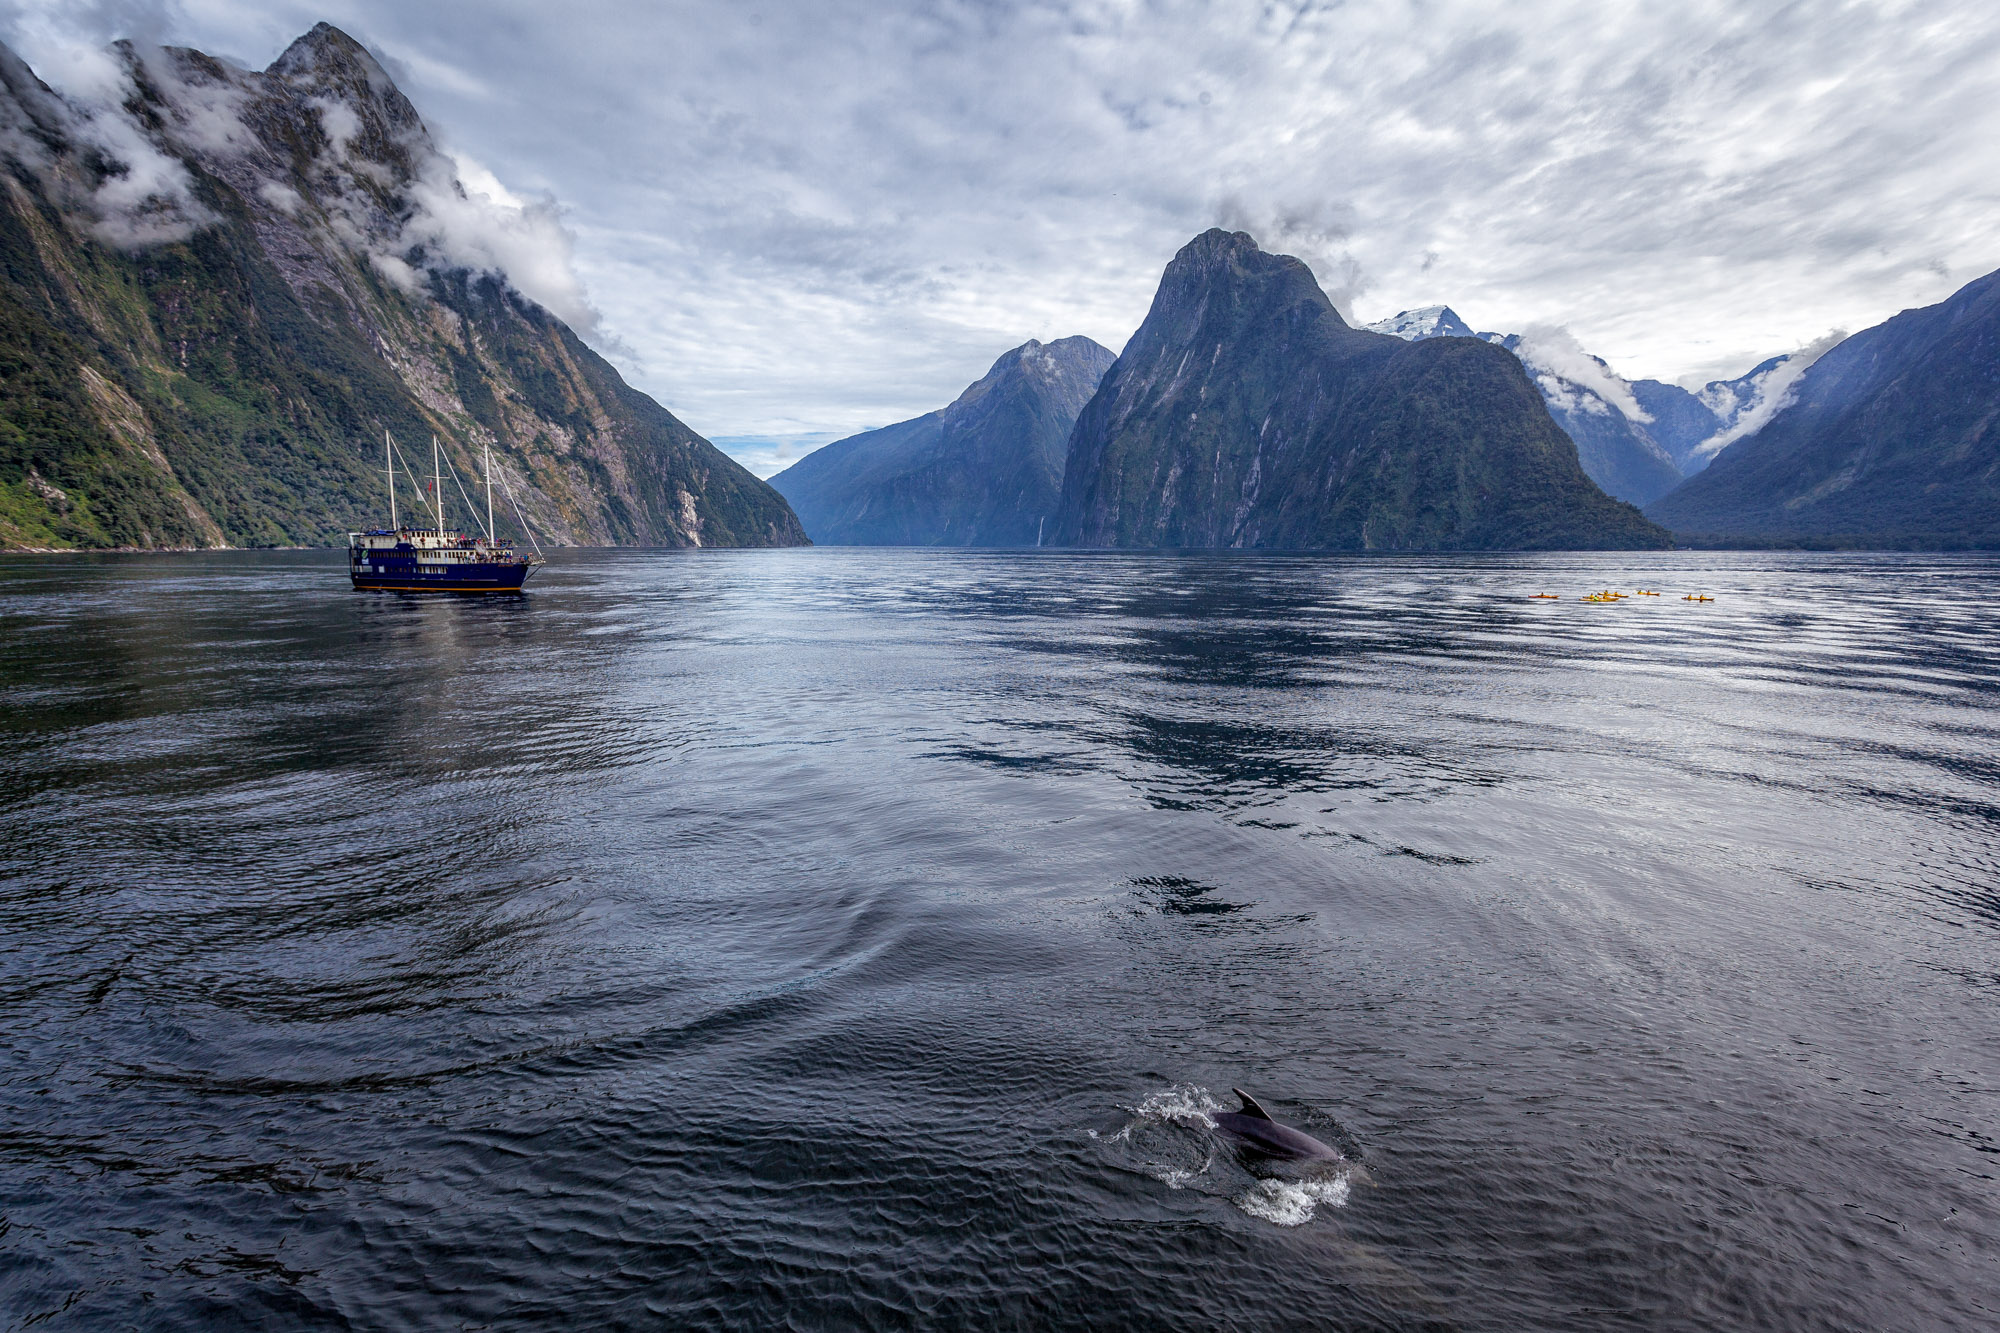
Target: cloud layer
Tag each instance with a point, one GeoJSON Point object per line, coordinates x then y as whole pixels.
{"type": "Point", "coordinates": [809, 219]}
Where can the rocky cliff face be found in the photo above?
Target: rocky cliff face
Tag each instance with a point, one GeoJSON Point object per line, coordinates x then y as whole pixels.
{"type": "Point", "coordinates": [1891, 438]}
{"type": "Point", "coordinates": [985, 471]}
{"type": "Point", "coordinates": [1246, 413]}
{"type": "Point", "coordinates": [216, 297]}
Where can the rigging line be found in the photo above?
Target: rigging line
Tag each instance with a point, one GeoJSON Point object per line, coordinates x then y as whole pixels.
{"type": "Point", "coordinates": [415, 479]}
{"type": "Point", "coordinates": [470, 507]}
{"type": "Point", "coordinates": [437, 512]}
{"type": "Point", "coordinates": [392, 472]}
{"type": "Point", "coordinates": [508, 487]}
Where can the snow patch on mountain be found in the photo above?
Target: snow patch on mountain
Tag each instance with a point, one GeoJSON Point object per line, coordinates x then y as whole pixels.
{"type": "Point", "coordinates": [1431, 321]}
{"type": "Point", "coordinates": [1570, 378]}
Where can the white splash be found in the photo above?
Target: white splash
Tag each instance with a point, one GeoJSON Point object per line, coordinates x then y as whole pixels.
{"type": "Point", "coordinates": [1182, 1104]}
{"type": "Point", "coordinates": [1291, 1203]}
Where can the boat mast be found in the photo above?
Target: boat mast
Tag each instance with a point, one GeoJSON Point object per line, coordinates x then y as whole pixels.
{"type": "Point", "coordinates": [489, 491]}
{"type": "Point", "coordinates": [437, 482]}
{"type": "Point", "coordinates": [389, 466]}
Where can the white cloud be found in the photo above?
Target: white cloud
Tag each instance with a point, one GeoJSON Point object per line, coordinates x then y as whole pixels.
{"type": "Point", "coordinates": [460, 215]}
{"type": "Point", "coordinates": [339, 122]}
{"type": "Point", "coordinates": [145, 196]}
{"type": "Point", "coordinates": [1555, 349]}
{"type": "Point", "coordinates": [281, 197]}
{"type": "Point", "coordinates": [464, 218]}
{"type": "Point", "coordinates": [399, 273]}
{"type": "Point", "coordinates": [1770, 393]}
{"type": "Point", "coordinates": [149, 199]}
{"type": "Point", "coordinates": [1314, 230]}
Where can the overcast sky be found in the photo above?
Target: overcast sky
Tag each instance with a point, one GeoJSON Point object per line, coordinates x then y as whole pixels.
{"type": "Point", "coordinates": [800, 220]}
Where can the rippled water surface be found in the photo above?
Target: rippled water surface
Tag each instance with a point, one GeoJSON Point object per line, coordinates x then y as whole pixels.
{"type": "Point", "coordinates": [861, 939]}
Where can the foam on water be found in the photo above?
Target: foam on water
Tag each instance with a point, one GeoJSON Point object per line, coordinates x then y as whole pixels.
{"type": "Point", "coordinates": [1290, 1203]}
{"type": "Point", "coordinates": [1182, 1104]}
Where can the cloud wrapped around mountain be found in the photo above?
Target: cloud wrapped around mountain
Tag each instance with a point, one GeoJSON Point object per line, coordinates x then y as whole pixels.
{"type": "Point", "coordinates": [1552, 348]}
{"type": "Point", "coordinates": [138, 195]}
{"type": "Point", "coordinates": [455, 214]}
{"type": "Point", "coordinates": [1771, 393]}
{"type": "Point", "coordinates": [463, 217]}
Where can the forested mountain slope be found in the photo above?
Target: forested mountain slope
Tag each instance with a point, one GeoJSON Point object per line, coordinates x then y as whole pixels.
{"type": "Point", "coordinates": [215, 298]}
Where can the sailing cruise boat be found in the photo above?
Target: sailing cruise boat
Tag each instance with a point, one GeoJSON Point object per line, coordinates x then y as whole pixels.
{"type": "Point", "coordinates": [438, 559]}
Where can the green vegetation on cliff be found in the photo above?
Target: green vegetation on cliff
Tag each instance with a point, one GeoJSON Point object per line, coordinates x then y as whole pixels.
{"type": "Point", "coordinates": [219, 367]}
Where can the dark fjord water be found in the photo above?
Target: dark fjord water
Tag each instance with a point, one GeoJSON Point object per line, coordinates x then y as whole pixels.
{"type": "Point", "coordinates": [853, 939]}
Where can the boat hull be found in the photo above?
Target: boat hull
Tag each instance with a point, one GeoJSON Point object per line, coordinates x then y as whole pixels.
{"type": "Point", "coordinates": [419, 576]}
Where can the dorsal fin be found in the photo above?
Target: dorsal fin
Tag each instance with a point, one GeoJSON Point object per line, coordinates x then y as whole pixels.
{"type": "Point", "coordinates": [1250, 1106]}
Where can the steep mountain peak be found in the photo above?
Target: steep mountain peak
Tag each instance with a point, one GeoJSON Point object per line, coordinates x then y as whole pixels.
{"type": "Point", "coordinates": [326, 51]}
{"type": "Point", "coordinates": [256, 275]}
{"type": "Point", "coordinates": [340, 76]}
{"type": "Point", "coordinates": [1222, 278]}
{"type": "Point", "coordinates": [1431, 321]}
{"type": "Point", "coordinates": [1069, 368]}
{"type": "Point", "coordinates": [1217, 246]}
{"type": "Point", "coordinates": [1246, 413]}
{"type": "Point", "coordinates": [985, 471]}
{"type": "Point", "coordinates": [1218, 256]}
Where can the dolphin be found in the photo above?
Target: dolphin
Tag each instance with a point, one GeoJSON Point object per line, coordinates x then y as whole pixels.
{"type": "Point", "coordinates": [1252, 1132]}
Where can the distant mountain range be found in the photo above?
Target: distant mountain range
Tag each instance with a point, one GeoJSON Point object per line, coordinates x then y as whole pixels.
{"type": "Point", "coordinates": [1246, 413]}
{"type": "Point", "coordinates": [1243, 413]}
{"type": "Point", "coordinates": [217, 293]}
{"type": "Point", "coordinates": [217, 296]}
{"type": "Point", "coordinates": [1889, 437]}
{"type": "Point", "coordinates": [985, 471]}
{"type": "Point", "coordinates": [1892, 438]}
{"type": "Point", "coordinates": [1638, 439]}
